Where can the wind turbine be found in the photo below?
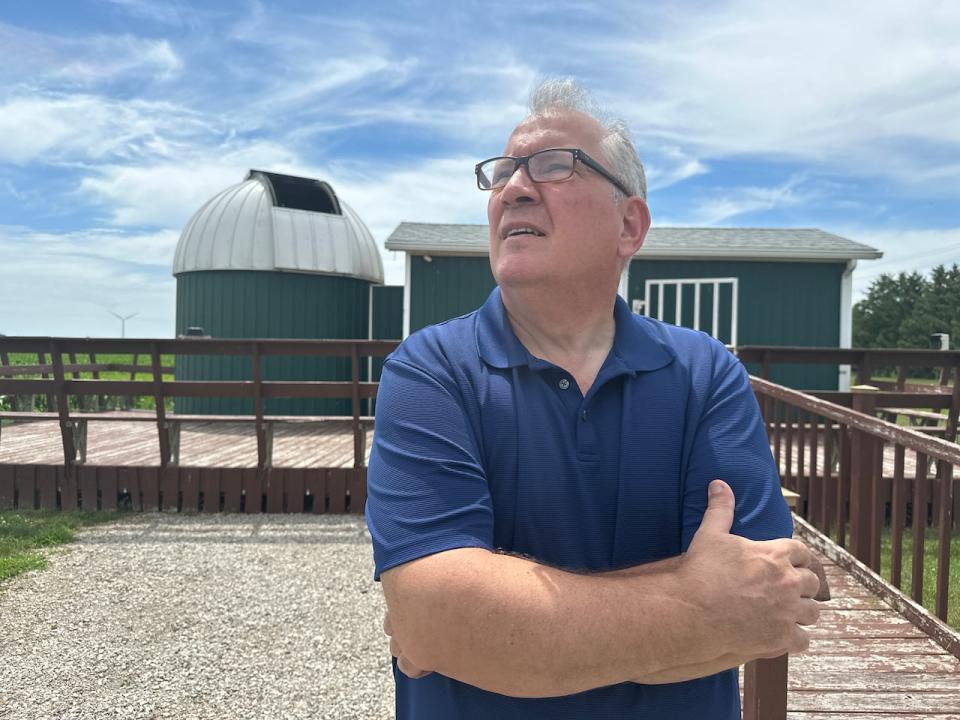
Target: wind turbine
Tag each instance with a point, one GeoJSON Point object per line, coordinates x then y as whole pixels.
{"type": "Point", "coordinates": [123, 321]}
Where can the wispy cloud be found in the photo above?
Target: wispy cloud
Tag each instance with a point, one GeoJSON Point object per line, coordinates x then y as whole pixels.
{"type": "Point", "coordinates": [60, 62]}
{"type": "Point", "coordinates": [903, 251]}
{"type": "Point", "coordinates": [750, 77]}
{"type": "Point", "coordinates": [170, 12]}
{"type": "Point", "coordinates": [437, 190]}
{"type": "Point", "coordinates": [730, 203]}
{"type": "Point", "coordinates": [73, 279]}
{"type": "Point", "coordinates": [60, 127]}
{"type": "Point", "coordinates": [671, 165]}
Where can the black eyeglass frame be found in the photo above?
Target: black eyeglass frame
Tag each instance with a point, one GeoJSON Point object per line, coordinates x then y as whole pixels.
{"type": "Point", "coordinates": [524, 160]}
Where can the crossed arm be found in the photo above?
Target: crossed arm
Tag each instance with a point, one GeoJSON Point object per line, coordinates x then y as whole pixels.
{"type": "Point", "coordinates": [515, 627]}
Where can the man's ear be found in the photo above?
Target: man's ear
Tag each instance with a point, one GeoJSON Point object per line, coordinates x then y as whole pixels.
{"type": "Point", "coordinates": [636, 223]}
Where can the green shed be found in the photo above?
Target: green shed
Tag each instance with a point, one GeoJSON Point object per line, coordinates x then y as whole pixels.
{"type": "Point", "coordinates": [275, 256]}
{"type": "Point", "coordinates": [744, 286]}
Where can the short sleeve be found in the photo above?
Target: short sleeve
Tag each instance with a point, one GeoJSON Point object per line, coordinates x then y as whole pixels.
{"type": "Point", "coordinates": [730, 443]}
{"type": "Point", "coordinates": [426, 488]}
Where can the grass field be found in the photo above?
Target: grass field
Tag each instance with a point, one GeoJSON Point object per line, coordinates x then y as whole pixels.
{"type": "Point", "coordinates": [142, 403]}
{"type": "Point", "coordinates": [929, 571]}
{"type": "Point", "coordinates": [24, 536]}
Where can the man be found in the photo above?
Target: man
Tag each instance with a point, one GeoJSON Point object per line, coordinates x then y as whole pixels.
{"type": "Point", "coordinates": [538, 484]}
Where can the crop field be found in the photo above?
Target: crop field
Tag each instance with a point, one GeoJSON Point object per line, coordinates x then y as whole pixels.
{"type": "Point", "coordinates": [39, 402]}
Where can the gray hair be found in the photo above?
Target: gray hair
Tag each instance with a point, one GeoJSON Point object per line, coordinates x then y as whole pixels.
{"type": "Point", "coordinates": [565, 94]}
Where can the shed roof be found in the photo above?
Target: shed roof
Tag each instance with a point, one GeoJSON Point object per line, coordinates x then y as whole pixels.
{"type": "Point", "coordinates": [800, 244]}
{"type": "Point", "coordinates": [278, 223]}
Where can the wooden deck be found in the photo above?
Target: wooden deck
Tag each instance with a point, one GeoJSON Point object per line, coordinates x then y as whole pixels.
{"type": "Point", "coordinates": [815, 461]}
{"type": "Point", "coordinates": [202, 444]}
{"type": "Point", "coordinates": [867, 661]}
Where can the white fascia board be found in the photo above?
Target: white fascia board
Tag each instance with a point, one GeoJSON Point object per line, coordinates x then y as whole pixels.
{"type": "Point", "coordinates": [846, 322]}
{"type": "Point", "coordinates": [774, 255]}
{"type": "Point", "coordinates": [406, 296]}
{"type": "Point", "coordinates": [439, 250]}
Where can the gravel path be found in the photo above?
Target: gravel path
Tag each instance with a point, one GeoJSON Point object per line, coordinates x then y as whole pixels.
{"type": "Point", "coordinates": [218, 616]}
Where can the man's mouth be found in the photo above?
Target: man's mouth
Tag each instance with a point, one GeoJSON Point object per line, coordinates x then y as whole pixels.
{"type": "Point", "coordinates": [523, 231]}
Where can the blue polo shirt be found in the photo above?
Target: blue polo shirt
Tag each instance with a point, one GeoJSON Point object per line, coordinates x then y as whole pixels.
{"type": "Point", "coordinates": [480, 444]}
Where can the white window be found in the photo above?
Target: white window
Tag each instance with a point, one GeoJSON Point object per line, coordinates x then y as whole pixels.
{"type": "Point", "coordinates": [708, 304]}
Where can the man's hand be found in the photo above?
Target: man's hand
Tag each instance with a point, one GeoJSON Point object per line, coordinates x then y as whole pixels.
{"type": "Point", "coordinates": [754, 595]}
{"type": "Point", "coordinates": [406, 667]}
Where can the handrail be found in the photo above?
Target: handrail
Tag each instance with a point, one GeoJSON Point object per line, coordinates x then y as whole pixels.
{"type": "Point", "coordinates": [199, 346]}
{"type": "Point", "coordinates": [916, 357]}
{"type": "Point", "coordinates": [834, 458]}
{"type": "Point", "coordinates": [257, 388]}
{"type": "Point", "coordinates": [76, 367]}
{"type": "Point", "coordinates": [912, 439]}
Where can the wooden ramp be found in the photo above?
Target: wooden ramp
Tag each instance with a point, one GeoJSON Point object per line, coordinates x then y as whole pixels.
{"type": "Point", "coordinates": [867, 661]}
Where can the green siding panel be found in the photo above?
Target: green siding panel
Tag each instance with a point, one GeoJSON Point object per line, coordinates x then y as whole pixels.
{"type": "Point", "coordinates": [387, 312]}
{"type": "Point", "coordinates": [779, 303]}
{"type": "Point", "coordinates": [387, 318]}
{"type": "Point", "coordinates": [248, 304]}
{"type": "Point", "coordinates": [447, 287]}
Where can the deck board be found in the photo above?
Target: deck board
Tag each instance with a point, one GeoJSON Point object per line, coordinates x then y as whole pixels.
{"type": "Point", "coordinates": [868, 662]}
{"type": "Point", "coordinates": [889, 460]}
{"type": "Point", "coordinates": [202, 444]}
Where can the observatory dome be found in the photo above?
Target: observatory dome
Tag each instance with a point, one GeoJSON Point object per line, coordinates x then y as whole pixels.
{"type": "Point", "coordinates": [278, 223]}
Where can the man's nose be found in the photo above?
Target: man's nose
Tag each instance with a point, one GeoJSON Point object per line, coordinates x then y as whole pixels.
{"type": "Point", "coordinates": [520, 188]}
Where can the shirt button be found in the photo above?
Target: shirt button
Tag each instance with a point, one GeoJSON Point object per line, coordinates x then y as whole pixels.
{"type": "Point", "coordinates": [563, 384]}
{"type": "Point", "coordinates": [583, 416]}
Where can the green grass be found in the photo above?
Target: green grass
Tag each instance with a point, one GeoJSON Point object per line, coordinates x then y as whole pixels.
{"type": "Point", "coordinates": [917, 380]}
{"type": "Point", "coordinates": [140, 403]}
{"type": "Point", "coordinates": [23, 535]}
{"type": "Point", "coordinates": [929, 570]}
{"type": "Point", "coordinates": [122, 359]}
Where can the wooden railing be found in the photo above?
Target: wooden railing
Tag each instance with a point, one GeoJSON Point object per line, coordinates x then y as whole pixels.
{"type": "Point", "coordinates": [865, 361]}
{"type": "Point", "coordinates": [830, 454]}
{"type": "Point", "coordinates": [44, 368]}
{"type": "Point", "coordinates": [59, 388]}
{"type": "Point", "coordinates": [858, 476]}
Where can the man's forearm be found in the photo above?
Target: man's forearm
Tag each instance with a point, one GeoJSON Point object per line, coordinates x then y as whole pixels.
{"type": "Point", "coordinates": [515, 627]}
{"type": "Point", "coordinates": [509, 625]}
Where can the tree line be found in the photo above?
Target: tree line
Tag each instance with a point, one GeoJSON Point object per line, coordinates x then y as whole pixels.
{"type": "Point", "coordinates": [904, 310]}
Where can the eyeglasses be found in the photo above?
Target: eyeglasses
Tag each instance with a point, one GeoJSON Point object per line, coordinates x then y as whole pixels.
{"type": "Point", "coordinates": [552, 165]}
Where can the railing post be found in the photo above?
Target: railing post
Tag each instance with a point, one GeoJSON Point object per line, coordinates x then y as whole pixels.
{"type": "Point", "coordinates": [944, 526]}
{"type": "Point", "coordinates": [63, 409]}
{"type": "Point", "coordinates": [99, 402]}
{"type": "Point", "coordinates": [264, 454]}
{"type": "Point", "coordinates": [355, 402]}
{"type": "Point", "coordinates": [163, 430]}
{"type": "Point", "coordinates": [862, 456]}
{"type": "Point", "coordinates": [765, 689]}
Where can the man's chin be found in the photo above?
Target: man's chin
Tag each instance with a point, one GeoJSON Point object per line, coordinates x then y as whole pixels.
{"type": "Point", "coordinates": [519, 277]}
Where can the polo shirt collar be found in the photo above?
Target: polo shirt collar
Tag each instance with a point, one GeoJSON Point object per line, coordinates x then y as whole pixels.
{"type": "Point", "coordinates": [635, 342]}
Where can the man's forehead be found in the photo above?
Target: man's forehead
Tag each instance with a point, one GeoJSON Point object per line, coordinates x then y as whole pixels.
{"type": "Point", "coordinates": [544, 130]}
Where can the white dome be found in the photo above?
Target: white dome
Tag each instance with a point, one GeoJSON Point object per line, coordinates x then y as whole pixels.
{"type": "Point", "coordinates": [278, 222]}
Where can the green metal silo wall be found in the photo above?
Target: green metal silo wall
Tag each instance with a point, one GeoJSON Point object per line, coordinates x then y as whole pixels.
{"type": "Point", "coordinates": [779, 303]}
{"type": "Point", "coordinates": [387, 319]}
{"type": "Point", "coordinates": [447, 287]}
{"type": "Point", "coordinates": [249, 304]}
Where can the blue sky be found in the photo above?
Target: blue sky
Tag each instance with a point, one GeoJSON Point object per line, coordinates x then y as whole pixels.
{"type": "Point", "coordinates": [120, 118]}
